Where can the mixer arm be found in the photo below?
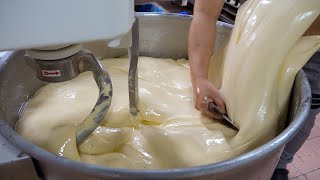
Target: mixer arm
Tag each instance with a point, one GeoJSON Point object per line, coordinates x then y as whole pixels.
{"type": "Point", "coordinates": [133, 52]}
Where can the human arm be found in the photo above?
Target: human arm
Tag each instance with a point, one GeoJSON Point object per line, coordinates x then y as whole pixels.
{"type": "Point", "coordinates": [201, 42]}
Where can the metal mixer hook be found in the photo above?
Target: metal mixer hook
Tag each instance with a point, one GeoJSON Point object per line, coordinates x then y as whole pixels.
{"type": "Point", "coordinates": [69, 68]}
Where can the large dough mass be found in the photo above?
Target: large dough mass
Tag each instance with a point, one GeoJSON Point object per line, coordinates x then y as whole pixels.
{"type": "Point", "coordinates": [258, 67]}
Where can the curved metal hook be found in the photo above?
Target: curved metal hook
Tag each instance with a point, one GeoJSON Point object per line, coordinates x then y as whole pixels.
{"type": "Point", "coordinates": [102, 77]}
{"type": "Point", "coordinates": [69, 68]}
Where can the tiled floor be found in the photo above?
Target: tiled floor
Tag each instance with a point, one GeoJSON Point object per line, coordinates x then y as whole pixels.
{"type": "Point", "coordinates": [306, 164]}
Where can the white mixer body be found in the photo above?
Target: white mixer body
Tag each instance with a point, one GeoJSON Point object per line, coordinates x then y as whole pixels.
{"type": "Point", "coordinates": [35, 23]}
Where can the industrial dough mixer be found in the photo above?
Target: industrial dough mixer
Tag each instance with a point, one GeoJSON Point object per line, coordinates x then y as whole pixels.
{"type": "Point", "coordinates": [161, 35]}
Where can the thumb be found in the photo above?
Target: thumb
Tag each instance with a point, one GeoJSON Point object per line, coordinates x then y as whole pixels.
{"type": "Point", "coordinates": [220, 103]}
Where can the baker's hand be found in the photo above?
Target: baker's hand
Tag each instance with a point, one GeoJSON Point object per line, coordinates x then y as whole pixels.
{"type": "Point", "coordinates": [205, 92]}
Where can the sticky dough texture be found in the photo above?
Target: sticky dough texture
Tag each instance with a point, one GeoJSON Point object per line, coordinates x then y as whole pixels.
{"type": "Point", "coordinates": [258, 67]}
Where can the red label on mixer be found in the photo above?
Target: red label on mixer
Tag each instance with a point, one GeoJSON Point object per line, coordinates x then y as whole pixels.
{"type": "Point", "coordinates": [51, 73]}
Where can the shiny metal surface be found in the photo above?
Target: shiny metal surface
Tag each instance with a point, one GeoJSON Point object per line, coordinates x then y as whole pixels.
{"type": "Point", "coordinates": [160, 36]}
{"type": "Point", "coordinates": [133, 52]}
{"type": "Point", "coordinates": [14, 164]}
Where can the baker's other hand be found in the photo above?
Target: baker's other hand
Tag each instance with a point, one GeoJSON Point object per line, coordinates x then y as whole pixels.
{"type": "Point", "coordinates": [204, 93]}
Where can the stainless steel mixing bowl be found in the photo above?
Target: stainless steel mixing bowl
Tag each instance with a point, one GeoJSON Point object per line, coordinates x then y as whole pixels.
{"type": "Point", "coordinates": [161, 35]}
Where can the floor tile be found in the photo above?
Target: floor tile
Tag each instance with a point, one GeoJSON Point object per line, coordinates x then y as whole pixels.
{"type": "Point", "coordinates": [314, 144]}
{"type": "Point", "coordinates": [307, 158]}
{"type": "Point", "coordinates": [314, 175]}
{"type": "Point", "coordinates": [315, 132]}
{"type": "Point", "coordinates": [299, 178]}
{"type": "Point", "coordinates": [318, 121]}
{"type": "Point", "coordinates": [293, 171]}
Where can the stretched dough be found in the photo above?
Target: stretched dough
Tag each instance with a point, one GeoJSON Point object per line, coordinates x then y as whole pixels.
{"type": "Point", "coordinates": [257, 70]}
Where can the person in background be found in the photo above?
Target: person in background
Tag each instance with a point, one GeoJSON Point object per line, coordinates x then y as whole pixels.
{"type": "Point", "coordinates": [201, 42]}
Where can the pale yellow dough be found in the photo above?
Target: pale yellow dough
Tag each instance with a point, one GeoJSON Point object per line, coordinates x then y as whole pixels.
{"type": "Point", "coordinates": [254, 72]}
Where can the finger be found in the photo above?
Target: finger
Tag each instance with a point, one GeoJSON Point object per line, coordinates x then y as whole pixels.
{"type": "Point", "coordinates": [202, 102]}
{"type": "Point", "coordinates": [206, 100]}
{"type": "Point", "coordinates": [215, 95]}
{"type": "Point", "coordinates": [204, 108]}
{"type": "Point", "coordinates": [221, 105]}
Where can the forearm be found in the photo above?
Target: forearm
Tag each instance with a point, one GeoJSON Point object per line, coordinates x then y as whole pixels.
{"type": "Point", "coordinates": [202, 36]}
{"type": "Point", "coordinates": [201, 43]}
